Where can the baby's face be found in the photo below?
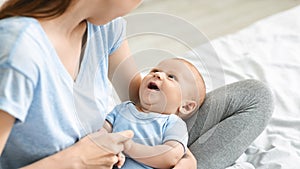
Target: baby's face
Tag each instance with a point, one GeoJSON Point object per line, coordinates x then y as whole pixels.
{"type": "Point", "coordinates": [166, 86]}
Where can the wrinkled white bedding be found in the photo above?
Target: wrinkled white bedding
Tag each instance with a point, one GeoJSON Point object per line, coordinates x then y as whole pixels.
{"type": "Point", "coordinates": [268, 50]}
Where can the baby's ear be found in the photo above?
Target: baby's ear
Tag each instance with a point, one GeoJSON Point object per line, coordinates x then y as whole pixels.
{"type": "Point", "coordinates": [187, 108]}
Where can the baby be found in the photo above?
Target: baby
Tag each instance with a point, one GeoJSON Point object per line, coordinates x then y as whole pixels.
{"type": "Point", "coordinates": [171, 92]}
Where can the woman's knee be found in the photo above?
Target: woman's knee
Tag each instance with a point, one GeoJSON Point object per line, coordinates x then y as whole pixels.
{"type": "Point", "coordinates": [261, 97]}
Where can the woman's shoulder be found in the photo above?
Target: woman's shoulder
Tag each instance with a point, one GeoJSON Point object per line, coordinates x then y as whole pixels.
{"type": "Point", "coordinates": [109, 29]}
{"type": "Point", "coordinates": [18, 47]}
{"type": "Point", "coordinates": [16, 24]}
{"type": "Point", "coordinates": [117, 22]}
{"type": "Point", "coordinates": [109, 35]}
{"type": "Point", "coordinates": [15, 28]}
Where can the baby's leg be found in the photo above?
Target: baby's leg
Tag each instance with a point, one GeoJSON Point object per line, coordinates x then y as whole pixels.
{"type": "Point", "coordinates": [228, 122]}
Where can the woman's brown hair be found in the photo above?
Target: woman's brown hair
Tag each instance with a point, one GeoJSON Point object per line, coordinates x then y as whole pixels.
{"type": "Point", "coordinates": [34, 8]}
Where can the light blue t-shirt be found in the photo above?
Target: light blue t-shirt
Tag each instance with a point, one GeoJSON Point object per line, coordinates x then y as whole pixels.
{"type": "Point", "coordinates": [149, 128]}
{"type": "Point", "coordinates": [52, 110]}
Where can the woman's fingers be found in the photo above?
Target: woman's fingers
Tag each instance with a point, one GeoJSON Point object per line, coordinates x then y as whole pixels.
{"type": "Point", "coordinates": [100, 149]}
{"type": "Point", "coordinates": [111, 142]}
{"type": "Point", "coordinates": [127, 133]}
{"type": "Point", "coordinates": [121, 160]}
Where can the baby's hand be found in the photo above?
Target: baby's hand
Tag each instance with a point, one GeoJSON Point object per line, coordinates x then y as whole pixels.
{"type": "Point", "coordinates": [121, 160]}
{"type": "Point", "coordinates": [128, 144]}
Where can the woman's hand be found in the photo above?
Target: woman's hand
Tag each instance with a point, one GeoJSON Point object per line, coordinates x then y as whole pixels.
{"type": "Point", "coordinates": [97, 150]}
{"type": "Point", "coordinates": [121, 160]}
{"type": "Point", "coordinates": [101, 150]}
{"type": "Point", "coordinates": [187, 162]}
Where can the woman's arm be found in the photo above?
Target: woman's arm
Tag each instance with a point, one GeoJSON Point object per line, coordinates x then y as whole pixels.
{"type": "Point", "coordinates": [160, 156]}
{"type": "Point", "coordinates": [6, 124]}
{"type": "Point", "coordinates": [123, 73]}
{"type": "Point", "coordinates": [92, 152]}
{"type": "Point", "coordinates": [96, 150]}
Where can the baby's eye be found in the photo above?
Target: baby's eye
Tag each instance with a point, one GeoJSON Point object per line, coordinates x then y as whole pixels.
{"type": "Point", "coordinates": [171, 76]}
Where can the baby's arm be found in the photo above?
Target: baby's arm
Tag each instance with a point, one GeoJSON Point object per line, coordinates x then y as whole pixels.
{"type": "Point", "coordinates": [107, 126]}
{"type": "Point", "coordinates": [160, 156]}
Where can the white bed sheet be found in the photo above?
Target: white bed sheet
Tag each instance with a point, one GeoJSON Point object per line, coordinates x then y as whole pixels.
{"type": "Point", "coordinates": [268, 50]}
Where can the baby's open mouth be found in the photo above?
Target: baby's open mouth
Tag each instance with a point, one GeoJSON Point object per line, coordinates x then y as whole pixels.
{"type": "Point", "coordinates": [153, 86]}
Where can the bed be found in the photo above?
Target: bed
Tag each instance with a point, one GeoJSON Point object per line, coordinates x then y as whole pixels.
{"type": "Point", "coordinates": [268, 50]}
{"type": "Point", "coordinates": [273, 47]}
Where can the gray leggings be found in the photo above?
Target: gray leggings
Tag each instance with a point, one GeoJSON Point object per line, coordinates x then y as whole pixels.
{"type": "Point", "coordinates": [229, 120]}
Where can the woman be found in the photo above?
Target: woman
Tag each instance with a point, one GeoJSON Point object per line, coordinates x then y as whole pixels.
{"type": "Point", "coordinates": [55, 67]}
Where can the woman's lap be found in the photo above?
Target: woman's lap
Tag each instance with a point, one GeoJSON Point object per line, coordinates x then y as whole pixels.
{"type": "Point", "coordinates": [229, 120]}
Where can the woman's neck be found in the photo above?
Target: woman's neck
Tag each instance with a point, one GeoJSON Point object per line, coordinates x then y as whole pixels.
{"type": "Point", "coordinates": [63, 26]}
{"type": "Point", "coordinates": [69, 24]}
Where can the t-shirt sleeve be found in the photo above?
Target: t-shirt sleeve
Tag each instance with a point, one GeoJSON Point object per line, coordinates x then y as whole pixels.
{"type": "Point", "coordinates": [176, 129]}
{"type": "Point", "coordinates": [16, 92]}
{"type": "Point", "coordinates": [117, 33]}
{"type": "Point", "coordinates": [111, 117]}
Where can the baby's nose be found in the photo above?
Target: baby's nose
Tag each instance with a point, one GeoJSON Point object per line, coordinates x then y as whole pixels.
{"type": "Point", "coordinates": [159, 75]}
